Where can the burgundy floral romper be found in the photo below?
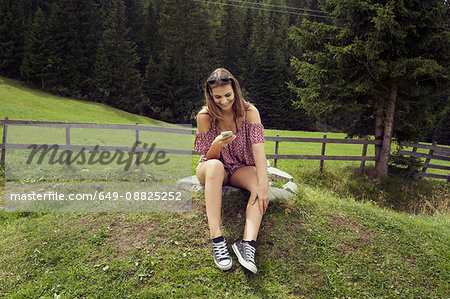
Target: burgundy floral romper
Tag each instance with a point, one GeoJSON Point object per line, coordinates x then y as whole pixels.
{"type": "Point", "coordinates": [237, 153]}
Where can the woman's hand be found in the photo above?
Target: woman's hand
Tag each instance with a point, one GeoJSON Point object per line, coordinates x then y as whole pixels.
{"type": "Point", "coordinates": [222, 141]}
{"type": "Point", "coordinates": [262, 196]}
{"type": "Point", "coordinates": [217, 144]}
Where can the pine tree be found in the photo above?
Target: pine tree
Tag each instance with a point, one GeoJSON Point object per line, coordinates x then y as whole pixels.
{"type": "Point", "coordinates": [155, 89]}
{"type": "Point", "coordinates": [90, 32]}
{"type": "Point", "coordinates": [266, 66]}
{"type": "Point", "coordinates": [73, 33]}
{"type": "Point", "coordinates": [376, 59]}
{"type": "Point", "coordinates": [117, 80]}
{"type": "Point", "coordinates": [184, 58]}
{"type": "Point", "coordinates": [12, 37]}
{"type": "Point", "coordinates": [442, 132]}
{"type": "Point", "coordinates": [136, 22]}
{"type": "Point", "coordinates": [229, 37]}
{"type": "Point", "coordinates": [64, 48]}
{"type": "Point", "coordinates": [248, 24]}
{"type": "Point", "coordinates": [153, 40]}
{"type": "Point", "coordinates": [35, 65]}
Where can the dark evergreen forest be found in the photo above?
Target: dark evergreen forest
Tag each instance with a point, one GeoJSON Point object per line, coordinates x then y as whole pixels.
{"type": "Point", "coordinates": [152, 57]}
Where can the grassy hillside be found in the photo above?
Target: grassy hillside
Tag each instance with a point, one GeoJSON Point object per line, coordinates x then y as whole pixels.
{"type": "Point", "coordinates": [17, 101]}
{"type": "Point", "coordinates": [343, 235]}
{"type": "Point", "coordinates": [317, 246]}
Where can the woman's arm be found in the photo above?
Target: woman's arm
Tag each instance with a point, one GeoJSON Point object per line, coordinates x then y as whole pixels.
{"type": "Point", "coordinates": [259, 155]}
{"type": "Point", "coordinates": [203, 124]}
{"type": "Point", "coordinates": [261, 170]}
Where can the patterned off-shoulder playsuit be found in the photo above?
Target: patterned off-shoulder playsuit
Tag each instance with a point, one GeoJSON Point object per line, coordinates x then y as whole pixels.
{"type": "Point", "coordinates": [237, 153]}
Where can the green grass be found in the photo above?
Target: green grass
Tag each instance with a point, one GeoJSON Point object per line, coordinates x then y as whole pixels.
{"type": "Point", "coordinates": [343, 235]}
{"type": "Point", "coordinates": [21, 102]}
{"type": "Point", "coordinates": [316, 246]}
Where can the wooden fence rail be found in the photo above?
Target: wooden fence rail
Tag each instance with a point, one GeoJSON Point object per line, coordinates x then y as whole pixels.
{"type": "Point", "coordinates": [322, 157]}
{"type": "Point", "coordinates": [438, 152]}
{"type": "Point", "coordinates": [435, 153]}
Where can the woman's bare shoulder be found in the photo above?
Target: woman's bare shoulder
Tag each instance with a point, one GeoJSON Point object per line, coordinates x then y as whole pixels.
{"type": "Point", "coordinates": [203, 121]}
{"type": "Point", "coordinates": [253, 115]}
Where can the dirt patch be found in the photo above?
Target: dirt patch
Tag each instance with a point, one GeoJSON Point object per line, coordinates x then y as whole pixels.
{"type": "Point", "coordinates": [345, 221]}
{"type": "Point", "coordinates": [88, 223]}
{"type": "Point", "coordinates": [126, 236]}
{"type": "Point", "coordinates": [123, 235]}
{"type": "Point", "coordinates": [346, 248]}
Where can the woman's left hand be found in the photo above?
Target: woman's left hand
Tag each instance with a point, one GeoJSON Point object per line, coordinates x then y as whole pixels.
{"type": "Point", "coordinates": [262, 196]}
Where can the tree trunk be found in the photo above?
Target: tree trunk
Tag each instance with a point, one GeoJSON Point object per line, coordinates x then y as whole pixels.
{"type": "Point", "coordinates": [378, 127]}
{"type": "Point", "coordinates": [382, 169]}
{"type": "Point", "coordinates": [42, 83]}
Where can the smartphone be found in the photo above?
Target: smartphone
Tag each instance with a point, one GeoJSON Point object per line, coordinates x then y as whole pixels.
{"type": "Point", "coordinates": [226, 133]}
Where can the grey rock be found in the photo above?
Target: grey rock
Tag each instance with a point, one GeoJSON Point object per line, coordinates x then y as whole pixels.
{"type": "Point", "coordinates": [277, 174]}
{"type": "Point", "coordinates": [291, 187]}
{"type": "Point", "coordinates": [189, 183]}
{"type": "Point", "coordinates": [192, 184]}
{"type": "Point", "coordinates": [289, 190]}
{"type": "Point", "coordinates": [227, 189]}
{"type": "Point", "coordinates": [275, 193]}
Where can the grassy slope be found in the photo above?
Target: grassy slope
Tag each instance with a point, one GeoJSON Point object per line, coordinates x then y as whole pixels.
{"type": "Point", "coordinates": [321, 244]}
{"type": "Point", "coordinates": [20, 102]}
{"type": "Point", "coordinates": [316, 246]}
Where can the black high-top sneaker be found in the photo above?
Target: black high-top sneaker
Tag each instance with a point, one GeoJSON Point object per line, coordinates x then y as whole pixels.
{"type": "Point", "coordinates": [245, 252]}
{"type": "Point", "coordinates": [222, 257]}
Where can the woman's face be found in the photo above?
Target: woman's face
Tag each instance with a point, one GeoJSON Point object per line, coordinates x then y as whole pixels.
{"type": "Point", "coordinates": [223, 96]}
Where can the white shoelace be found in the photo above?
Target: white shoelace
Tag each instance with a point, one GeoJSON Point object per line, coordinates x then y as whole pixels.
{"type": "Point", "coordinates": [250, 252]}
{"type": "Point", "coordinates": [221, 251]}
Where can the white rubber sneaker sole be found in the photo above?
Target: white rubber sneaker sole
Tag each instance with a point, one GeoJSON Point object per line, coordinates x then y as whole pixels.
{"type": "Point", "coordinates": [244, 263]}
{"type": "Point", "coordinates": [222, 267]}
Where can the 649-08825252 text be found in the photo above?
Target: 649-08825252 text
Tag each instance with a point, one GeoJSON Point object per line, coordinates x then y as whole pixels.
{"type": "Point", "coordinates": [102, 196]}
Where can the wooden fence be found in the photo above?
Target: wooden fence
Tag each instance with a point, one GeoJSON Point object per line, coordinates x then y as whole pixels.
{"type": "Point", "coordinates": [435, 151]}
{"type": "Point", "coordinates": [322, 157]}
{"type": "Point", "coordinates": [72, 147]}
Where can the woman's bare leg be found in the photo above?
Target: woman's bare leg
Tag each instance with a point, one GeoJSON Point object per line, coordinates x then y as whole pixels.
{"type": "Point", "coordinates": [213, 175]}
{"type": "Point", "coordinates": [246, 178]}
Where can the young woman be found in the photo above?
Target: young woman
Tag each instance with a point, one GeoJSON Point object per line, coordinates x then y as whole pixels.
{"type": "Point", "coordinates": [238, 160]}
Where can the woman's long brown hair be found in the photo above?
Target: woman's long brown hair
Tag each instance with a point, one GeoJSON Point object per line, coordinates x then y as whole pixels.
{"type": "Point", "coordinates": [239, 105]}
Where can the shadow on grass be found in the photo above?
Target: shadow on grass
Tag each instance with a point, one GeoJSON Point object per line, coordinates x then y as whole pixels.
{"type": "Point", "coordinates": [405, 194]}
{"type": "Point", "coordinates": [233, 213]}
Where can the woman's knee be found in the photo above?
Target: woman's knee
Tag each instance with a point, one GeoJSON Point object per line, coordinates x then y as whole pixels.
{"type": "Point", "coordinates": [214, 169]}
{"type": "Point", "coordinates": [211, 169]}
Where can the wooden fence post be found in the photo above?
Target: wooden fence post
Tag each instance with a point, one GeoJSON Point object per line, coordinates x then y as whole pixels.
{"type": "Point", "coordinates": [323, 152]}
{"type": "Point", "coordinates": [69, 153]}
{"type": "Point", "coordinates": [427, 161]}
{"type": "Point", "coordinates": [364, 154]}
{"type": "Point", "coordinates": [138, 155]}
{"type": "Point", "coordinates": [5, 130]}
{"type": "Point", "coordinates": [276, 152]}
